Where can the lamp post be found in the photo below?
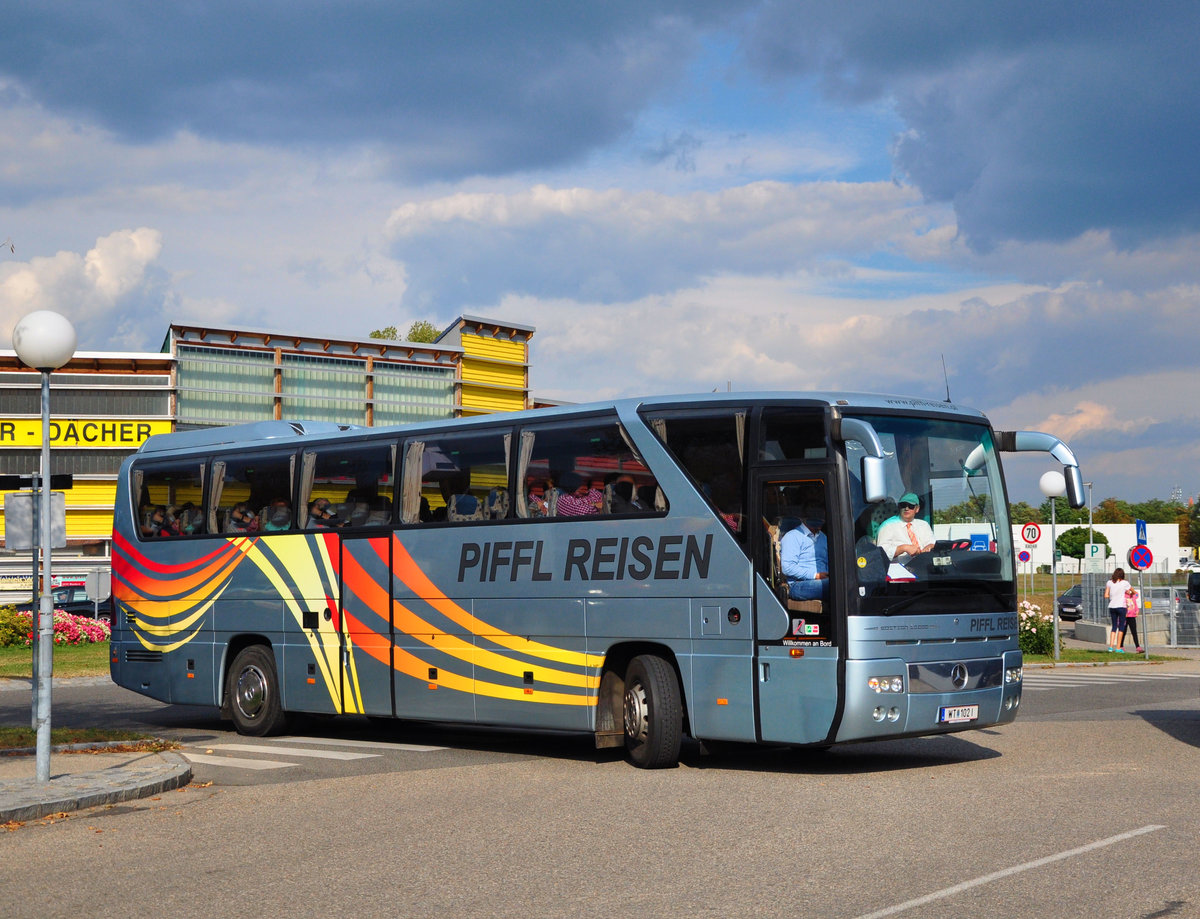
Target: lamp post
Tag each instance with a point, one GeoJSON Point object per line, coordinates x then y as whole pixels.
{"type": "Point", "coordinates": [1089, 488]}
{"type": "Point", "coordinates": [44, 340]}
{"type": "Point", "coordinates": [1053, 485]}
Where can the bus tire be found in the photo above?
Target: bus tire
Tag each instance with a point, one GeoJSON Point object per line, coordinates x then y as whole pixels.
{"type": "Point", "coordinates": [653, 713]}
{"type": "Point", "coordinates": [253, 693]}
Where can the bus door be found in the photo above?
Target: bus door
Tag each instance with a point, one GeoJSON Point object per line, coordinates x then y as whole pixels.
{"type": "Point", "coordinates": [797, 622]}
{"type": "Point", "coordinates": [366, 624]}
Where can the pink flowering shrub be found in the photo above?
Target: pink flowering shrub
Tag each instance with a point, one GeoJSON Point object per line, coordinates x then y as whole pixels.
{"type": "Point", "coordinates": [16, 629]}
{"type": "Point", "coordinates": [1036, 629]}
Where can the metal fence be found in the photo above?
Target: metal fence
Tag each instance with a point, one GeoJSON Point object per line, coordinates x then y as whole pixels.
{"type": "Point", "coordinates": [1179, 625]}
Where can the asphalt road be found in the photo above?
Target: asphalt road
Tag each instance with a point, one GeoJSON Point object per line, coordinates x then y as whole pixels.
{"type": "Point", "coordinates": [1086, 807]}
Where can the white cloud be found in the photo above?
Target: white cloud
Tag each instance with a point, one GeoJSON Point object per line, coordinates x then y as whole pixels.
{"type": "Point", "coordinates": [103, 286]}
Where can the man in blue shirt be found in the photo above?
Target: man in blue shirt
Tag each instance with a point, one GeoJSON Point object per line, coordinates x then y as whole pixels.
{"type": "Point", "coordinates": [804, 559]}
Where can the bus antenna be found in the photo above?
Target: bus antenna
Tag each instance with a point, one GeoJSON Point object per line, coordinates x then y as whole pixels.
{"type": "Point", "coordinates": [946, 376]}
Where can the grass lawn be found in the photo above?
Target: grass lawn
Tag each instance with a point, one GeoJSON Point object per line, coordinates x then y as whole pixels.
{"type": "Point", "coordinates": [16, 738]}
{"type": "Point", "coordinates": [69, 660]}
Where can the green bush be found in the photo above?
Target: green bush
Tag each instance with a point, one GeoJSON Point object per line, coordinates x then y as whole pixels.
{"type": "Point", "coordinates": [14, 628]}
{"type": "Point", "coordinates": [1036, 629]}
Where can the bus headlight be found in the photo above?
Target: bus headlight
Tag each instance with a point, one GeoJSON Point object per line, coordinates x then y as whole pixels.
{"type": "Point", "coordinates": [886, 684]}
{"type": "Point", "coordinates": [1012, 675]}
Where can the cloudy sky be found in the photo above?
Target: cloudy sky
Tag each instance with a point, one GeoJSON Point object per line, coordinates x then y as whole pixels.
{"type": "Point", "coordinates": [680, 196]}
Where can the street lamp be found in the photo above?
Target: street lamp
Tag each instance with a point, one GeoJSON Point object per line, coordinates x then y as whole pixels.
{"type": "Point", "coordinates": [1089, 488]}
{"type": "Point", "coordinates": [1053, 485]}
{"type": "Point", "coordinates": [45, 341]}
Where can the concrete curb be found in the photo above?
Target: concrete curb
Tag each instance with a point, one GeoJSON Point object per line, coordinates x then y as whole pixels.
{"type": "Point", "coordinates": [28, 799]}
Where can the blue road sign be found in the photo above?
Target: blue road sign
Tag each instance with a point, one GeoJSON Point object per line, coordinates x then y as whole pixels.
{"type": "Point", "coordinates": [1141, 532]}
{"type": "Point", "coordinates": [1023, 555]}
{"type": "Point", "coordinates": [1141, 558]}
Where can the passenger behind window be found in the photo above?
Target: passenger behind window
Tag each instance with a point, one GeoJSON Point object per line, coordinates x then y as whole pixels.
{"type": "Point", "coordinates": [620, 495]}
{"type": "Point", "coordinates": [159, 524]}
{"type": "Point", "coordinates": [277, 516]}
{"type": "Point", "coordinates": [185, 519]}
{"type": "Point", "coordinates": [379, 511]}
{"type": "Point", "coordinates": [578, 498]}
{"type": "Point", "coordinates": [322, 516]}
{"type": "Point", "coordinates": [242, 519]}
{"type": "Point", "coordinates": [542, 499]}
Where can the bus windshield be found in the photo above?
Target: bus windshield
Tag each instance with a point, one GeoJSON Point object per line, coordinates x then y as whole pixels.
{"type": "Point", "coordinates": [941, 541]}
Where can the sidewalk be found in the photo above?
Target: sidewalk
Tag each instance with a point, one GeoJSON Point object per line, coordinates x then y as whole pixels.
{"type": "Point", "coordinates": [84, 779]}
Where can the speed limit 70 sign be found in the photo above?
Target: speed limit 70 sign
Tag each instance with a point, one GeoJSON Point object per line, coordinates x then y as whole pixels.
{"type": "Point", "coordinates": [1031, 533]}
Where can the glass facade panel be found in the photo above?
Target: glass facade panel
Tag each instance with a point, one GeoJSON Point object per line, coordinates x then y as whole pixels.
{"type": "Point", "coordinates": [324, 389]}
{"type": "Point", "coordinates": [224, 386]}
{"type": "Point", "coordinates": [405, 393]}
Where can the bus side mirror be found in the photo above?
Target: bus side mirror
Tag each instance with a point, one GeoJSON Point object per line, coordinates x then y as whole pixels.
{"type": "Point", "coordinates": [874, 472]}
{"type": "Point", "coordinates": [874, 479]}
{"type": "Point", "coordinates": [1193, 587]}
{"type": "Point", "coordinates": [1039, 442]}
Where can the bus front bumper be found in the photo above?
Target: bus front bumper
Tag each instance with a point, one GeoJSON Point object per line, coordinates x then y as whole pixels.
{"type": "Point", "coordinates": [892, 698]}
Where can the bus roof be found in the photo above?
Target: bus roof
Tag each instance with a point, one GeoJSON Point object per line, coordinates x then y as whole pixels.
{"type": "Point", "coordinates": [282, 431]}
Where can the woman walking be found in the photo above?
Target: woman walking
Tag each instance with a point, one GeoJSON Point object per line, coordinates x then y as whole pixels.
{"type": "Point", "coordinates": [1115, 591]}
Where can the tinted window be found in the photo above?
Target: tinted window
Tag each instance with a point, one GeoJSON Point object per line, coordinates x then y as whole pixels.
{"type": "Point", "coordinates": [347, 487]}
{"type": "Point", "coordinates": [709, 445]}
{"type": "Point", "coordinates": [456, 478]}
{"type": "Point", "coordinates": [583, 470]}
{"type": "Point", "coordinates": [793, 434]}
{"type": "Point", "coordinates": [252, 494]}
{"type": "Point", "coordinates": [169, 499]}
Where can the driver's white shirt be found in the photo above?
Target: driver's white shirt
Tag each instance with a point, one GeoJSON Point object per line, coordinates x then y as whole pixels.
{"type": "Point", "coordinates": [893, 534]}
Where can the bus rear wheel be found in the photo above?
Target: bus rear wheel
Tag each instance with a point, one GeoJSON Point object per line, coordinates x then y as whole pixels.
{"type": "Point", "coordinates": [253, 693]}
{"type": "Point", "coordinates": [653, 713]}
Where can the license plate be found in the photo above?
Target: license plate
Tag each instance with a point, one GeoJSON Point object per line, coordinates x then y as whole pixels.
{"type": "Point", "coordinates": [957, 714]}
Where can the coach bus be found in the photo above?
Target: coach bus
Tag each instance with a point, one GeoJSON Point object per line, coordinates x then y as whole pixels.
{"type": "Point", "coordinates": [612, 568]}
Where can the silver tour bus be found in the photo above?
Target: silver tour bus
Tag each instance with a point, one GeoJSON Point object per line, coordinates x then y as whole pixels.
{"type": "Point", "coordinates": [724, 567]}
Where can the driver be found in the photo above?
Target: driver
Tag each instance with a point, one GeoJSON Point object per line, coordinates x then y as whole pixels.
{"type": "Point", "coordinates": [905, 534]}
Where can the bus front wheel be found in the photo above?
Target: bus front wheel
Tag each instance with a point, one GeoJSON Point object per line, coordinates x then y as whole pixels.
{"type": "Point", "coordinates": [653, 713]}
{"type": "Point", "coordinates": [253, 692]}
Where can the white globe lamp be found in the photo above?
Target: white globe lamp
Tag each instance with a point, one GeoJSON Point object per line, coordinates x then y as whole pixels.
{"type": "Point", "coordinates": [44, 340]}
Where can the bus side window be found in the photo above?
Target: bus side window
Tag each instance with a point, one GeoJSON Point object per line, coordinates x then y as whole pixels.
{"type": "Point", "coordinates": [456, 478]}
{"type": "Point", "coordinates": [710, 445]}
{"type": "Point", "coordinates": [347, 487]}
{"type": "Point", "coordinates": [255, 485]}
{"type": "Point", "coordinates": [585, 469]}
{"type": "Point", "coordinates": [172, 495]}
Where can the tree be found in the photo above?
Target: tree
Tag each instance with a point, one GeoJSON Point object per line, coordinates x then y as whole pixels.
{"type": "Point", "coordinates": [1071, 542]}
{"type": "Point", "coordinates": [1023, 513]}
{"type": "Point", "coordinates": [1113, 510]}
{"type": "Point", "coordinates": [388, 333]}
{"type": "Point", "coordinates": [422, 330]}
{"type": "Point", "coordinates": [1063, 512]}
{"type": "Point", "coordinates": [977, 507]}
{"type": "Point", "coordinates": [1157, 510]}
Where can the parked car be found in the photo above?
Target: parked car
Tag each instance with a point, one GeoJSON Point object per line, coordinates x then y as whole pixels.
{"type": "Point", "coordinates": [1070, 604]}
{"type": "Point", "coordinates": [74, 599]}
